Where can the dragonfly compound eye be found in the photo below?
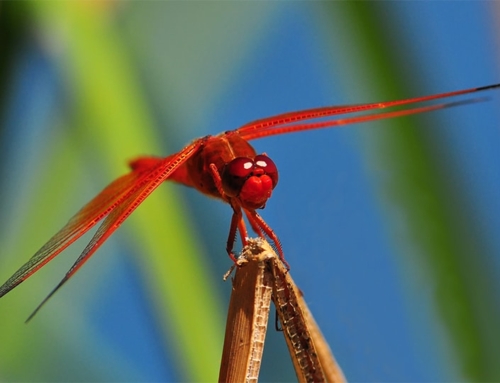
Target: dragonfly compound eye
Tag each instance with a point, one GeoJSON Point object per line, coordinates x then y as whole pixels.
{"type": "Point", "coordinates": [235, 174]}
{"type": "Point", "coordinates": [269, 167]}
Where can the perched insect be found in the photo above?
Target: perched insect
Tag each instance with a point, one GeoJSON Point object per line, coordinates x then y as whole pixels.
{"type": "Point", "coordinates": [225, 166]}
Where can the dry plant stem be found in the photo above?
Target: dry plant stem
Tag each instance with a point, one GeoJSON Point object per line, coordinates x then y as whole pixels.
{"type": "Point", "coordinates": [247, 320]}
{"type": "Point", "coordinates": [261, 276]}
{"type": "Point", "coordinates": [311, 355]}
{"type": "Point", "coordinates": [330, 366]}
{"type": "Point", "coordinates": [297, 336]}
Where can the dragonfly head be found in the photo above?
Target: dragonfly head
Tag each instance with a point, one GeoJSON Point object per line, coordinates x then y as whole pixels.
{"type": "Point", "coordinates": [250, 180]}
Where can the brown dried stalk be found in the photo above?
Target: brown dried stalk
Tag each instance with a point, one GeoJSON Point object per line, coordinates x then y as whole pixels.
{"type": "Point", "coordinates": [310, 353]}
{"type": "Point", "coordinates": [247, 318]}
{"type": "Point", "coordinates": [261, 276]}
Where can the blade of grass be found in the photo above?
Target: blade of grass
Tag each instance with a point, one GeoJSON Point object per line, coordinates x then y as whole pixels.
{"type": "Point", "coordinates": [114, 125]}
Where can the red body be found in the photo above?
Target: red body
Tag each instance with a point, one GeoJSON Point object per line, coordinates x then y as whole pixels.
{"type": "Point", "coordinates": [218, 150]}
{"type": "Point", "coordinates": [195, 172]}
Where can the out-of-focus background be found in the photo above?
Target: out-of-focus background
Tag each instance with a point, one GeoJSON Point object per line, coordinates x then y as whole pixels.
{"type": "Point", "coordinates": [390, 227]}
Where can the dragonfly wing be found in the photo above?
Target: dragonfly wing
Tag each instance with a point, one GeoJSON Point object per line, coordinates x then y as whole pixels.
{"type": "Point", "coordinates": [77, 226]}
{"type": "Point", "coordinates": [120, 213]}
{"type": "Point", "coordinates": [102, 233]}
{"type": "Point", "coordinates": [287, 123]}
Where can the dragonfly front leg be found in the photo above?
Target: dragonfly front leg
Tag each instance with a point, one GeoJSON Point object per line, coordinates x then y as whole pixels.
{"type": "Point", "coordinates": [259, 226]}
{"type": "Point", "coordinates": [237, 223]}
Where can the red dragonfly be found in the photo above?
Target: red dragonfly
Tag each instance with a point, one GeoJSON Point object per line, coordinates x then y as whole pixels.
{"type": "Point", "coordinates": [225, 166]}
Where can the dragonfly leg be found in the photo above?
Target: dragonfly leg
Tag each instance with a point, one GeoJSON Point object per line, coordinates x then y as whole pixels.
{"type": "Point", "coordinates": [256, 228]}
{"type": "Point", "coordinates": [236, 220]}
{"type": "Point", "coordinates": [237, 223]}
{"type": "Point", "coordinates": [218, 181]}
{"type": "Point", "coordinates": [243, 232]}
{"type": "Point", "coordinates": [259, 225]}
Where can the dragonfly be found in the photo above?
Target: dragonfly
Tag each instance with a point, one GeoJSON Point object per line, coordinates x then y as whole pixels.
{"type": "Point", "coordinates": [224, 166]}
